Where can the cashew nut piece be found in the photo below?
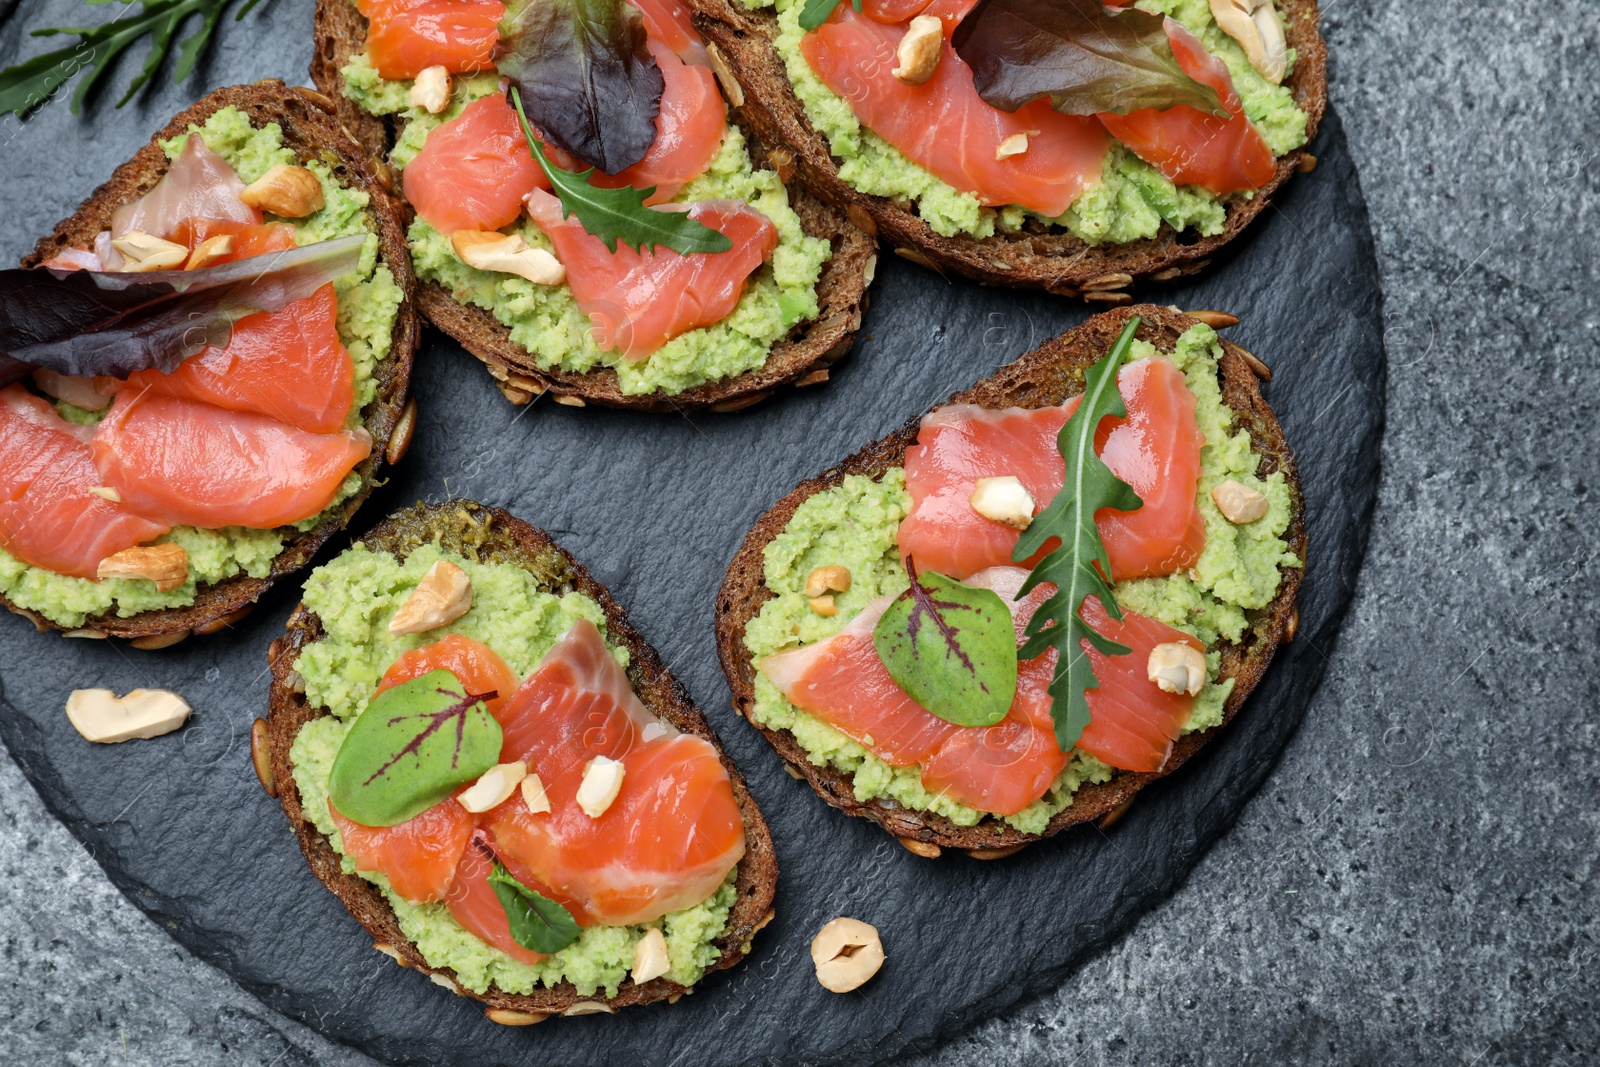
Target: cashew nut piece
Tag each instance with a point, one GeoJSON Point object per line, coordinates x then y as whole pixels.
{"type": "Point", "coordinates": [650, 959]}
{"type": "Point", "coordinates": [102, 716]}
{"type": "Point", "coordinates": [533, 795]}
{"type": "Point", "coordinates": [1239, 503]}
{"type": "Point", "coordinates": [209, 251]}
{"type": "Point", "coordinates": [602, 781]}
{"type": "Point", "coordinates": [1004, 500]}
{"type": "Point", "coordinates": [1258, 28]}
{"type": "Point", "coordinates": [846, 953]}
{"type": "Point", "coordinates": [1177, 667]}
{"type": "Point", "coordinates": [142, 252]}
{"type": "Point", "coordinates": [1015, 145]}
{"type": "Point", "coordinates": [507, 254]}
{"type": "Point", "coordinates": [285, 191]}
{"type": "Point", "coordinates": [918, 51]}
{"type": "Point", "coordinates": [442, 597]}
{"type": "Point", "coordinates": [430, 90]}
{"type": "Point", "coordinates": [834, 579]}
{"type": "Point", "coordinates": [166, 565]}
{"type": "Point", "coordinates": [493, 788]}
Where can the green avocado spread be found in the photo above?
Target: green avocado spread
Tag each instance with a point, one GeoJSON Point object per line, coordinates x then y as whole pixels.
{"type": "Point", "coordinates": [1132, 199]}
{"type": "Point", "coordinates": [545, 319]}
{"type": "Point", "coordinates": [854, 525]}
{"type": "Point", "coordinates": [354, 596]}
{"type": "Point", "coordinates": [369, 300]}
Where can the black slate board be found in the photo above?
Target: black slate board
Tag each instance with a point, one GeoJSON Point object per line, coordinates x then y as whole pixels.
{"type": "Point", "coordinates": [655, 506]}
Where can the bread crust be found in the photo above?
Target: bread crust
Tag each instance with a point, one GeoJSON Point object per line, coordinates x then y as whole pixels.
{"type": "Point", "coordinates": [801, 358]}
{"type": "Point", "coordinates": [1048, 375]}
{"type": "Point", "coordinates": [312, 132]}
{"type": "Point", "coordinates": [494, 535]}
{"type": "Point", "coordinates": [1053, 260]}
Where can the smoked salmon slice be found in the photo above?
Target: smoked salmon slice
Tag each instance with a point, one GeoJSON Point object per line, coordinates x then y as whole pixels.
{"type": "Point", "coordinates": [190, 464]}
{"type": "Point", "coordinates": [947, 128]}
{"type": "Point", "coordinates": [405, 37]}
{"type": "Point", "coordinates": [1156, 449]}
{"type": "Point", "coordinates": [418, 856]}
{"type": "Point", "coordinates": [1189, 146]}
{"type": "Point", "coordinates": [288, 364]}
{"type": "Point", "coordinates": [1005, 767]}
{"type": "Point", "coordinates": [474, 904]}
{"type": "Point", "coordinates": [48, 516]}
{"type": "Point", "coordinates": [638, 301]}
{"type": "Point", "coordinates": [474, 171]}
{"type": "Point", "coordinates": [674, 830]}
{"type": "Point", "coordinates": [1001, 768]}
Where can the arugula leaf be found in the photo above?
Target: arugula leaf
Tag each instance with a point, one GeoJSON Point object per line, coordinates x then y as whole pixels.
{"type": "Point", "coordinates": [951, 647]}
{"type": "Point", "coordinates": [1079, 567]}
{"type": "Point", "coordinates": [86, 322]}
{"type": "Point", "coordinates": [620, 214]}
{"type": "Point", "coordinates": [537, 923]}
{"type": "Point", "coordinates": [1085, 58]}
{"type": "Point", "coordinates": [412, 747]}
{"type": "Point", "coordinates": [592, 87]}
{"type": "Point", "coordinates": [27, 85]}
{"type": "Point", "coordinates": [816, 12]}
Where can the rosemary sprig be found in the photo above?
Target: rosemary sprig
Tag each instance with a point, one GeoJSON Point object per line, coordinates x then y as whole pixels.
{"type": "Point", "coordinates": [27, 85]}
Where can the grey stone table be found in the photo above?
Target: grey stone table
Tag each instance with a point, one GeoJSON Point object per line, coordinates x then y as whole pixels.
{"type": "Point", "coordinates": [1417, 882]}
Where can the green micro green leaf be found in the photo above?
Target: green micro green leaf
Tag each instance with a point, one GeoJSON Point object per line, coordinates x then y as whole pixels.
{"type": "Point", "coordinates": [816, 12]}
{"type": "Point", "coordinates": [620, 214]}
{"type": "Point", "coordinates": [1079, 567]}
{"type": "Point", "coordinates": [537, 923]}
{"type": "Point", "coordinates": [951, 647]}
{"type": "Point", "coordinates": [412, 747]}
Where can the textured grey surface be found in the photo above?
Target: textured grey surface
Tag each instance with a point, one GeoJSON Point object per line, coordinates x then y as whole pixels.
{"type": "Point", "coordinates": [1416, 880]}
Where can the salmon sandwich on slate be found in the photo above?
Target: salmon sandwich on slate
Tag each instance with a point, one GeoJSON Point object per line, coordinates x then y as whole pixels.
{"type": "Point", "coordinates": [1008, 617]}
{"type": "Point", "coordinates": [588, 223]}
{"type": "Point", "coordinates": [500, 780]}
{"type": "Point", "coordinates": [204, 370]}
{"type": "Point", "coordinates": [1074, 147]}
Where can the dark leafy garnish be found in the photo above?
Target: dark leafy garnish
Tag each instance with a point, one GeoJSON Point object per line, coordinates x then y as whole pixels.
{"type": "Point", "coordinates": [1079, 567]}
{"type": "Point", "coordinates": [951, 647]}
{"type": "Point", "coordinates": [583, 72]}
{"type": "Point", "coordinates": [92, 322]}
{"type": "Point", "coordinates": [538, 923]}
{"type": "Point", "coordinates": [412, 747]}
{"type": "Point", "coordinates": [28, 84]}
{"type": "Point", "coordinates": [620, 214]}
{"type": "Point", "coordinates": [816, 12]}
{"type": "Point", "coordinates": [1084, 58]}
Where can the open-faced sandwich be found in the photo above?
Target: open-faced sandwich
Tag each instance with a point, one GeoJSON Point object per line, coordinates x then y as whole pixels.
{"type": "Point", "coordinates": [928, 634]}
{"type": "Point", "coordinates": [620, 243]}
{"type": "Point", "coordinates": [205, 368]}
{"type": "Point", "coordinates": [1066, 146]}
{"type": "Point", "coordinates": [498, 777]}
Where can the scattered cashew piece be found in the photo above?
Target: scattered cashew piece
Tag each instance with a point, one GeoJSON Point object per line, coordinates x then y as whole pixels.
{"type": "Point", "coordinates": [602, 781]}
{"type": "Point", "coordinates": [834, 579]}
{"type": "Point", "coordinates": [493, 788]}
{"type": "Point", "coordinates": [1177, 667]}
{"type": "Point", "coordinates": [533, 794]}
{"type": "Point", "coordinates": [1238, 502]}
{"type": "Point", "coordinates": [918, 51]}
{"type": "Point", "coordinates": [650, 959]}
{"type": "Point", "coordinates": [142, 252]}
{"type": "Point", "coordinates": [286, 191]}
{"type": "Point", "coordinates": [1015, 145]}
{"type": "Point", "coordinates": [1258, 28]}
{"type": "Point", "coordinates": [210, 250]}
{"type": "Point", "coordinates": [846, 953]}
{"type": "Point", "coordinates": [166, 565]}
{"type": "Point", "coordinates": [507, 254]}
{"type": "Point", "coordinates": [103, 717]}
{"type": "Point", "coordinates": [442, 597]}
{"type": "Point", "coordinates": [430, 90]}
{"type": "Point", "coordinates": [1003, 499]}
{"type": "Point", "coordinates": [824, 605]}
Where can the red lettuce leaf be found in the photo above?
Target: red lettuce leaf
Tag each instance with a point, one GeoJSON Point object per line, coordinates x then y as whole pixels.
{"type": "Point", "coordinates": [84, 322]}
{"type": "Point", "coordinates": [1085, 58]}
{"type": "Point", "coordinates": [585, 77]}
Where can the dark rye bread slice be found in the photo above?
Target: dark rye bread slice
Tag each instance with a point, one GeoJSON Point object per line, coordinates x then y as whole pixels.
{"type": "Point", "coordinates": [493, 535]}
{"type": "Point", "coordinates": [1039, 257]}
{"type": "Point", "coordinates": [311, 130]}
{"type": "Point", "coordinates": [801, 358]}
{"type": "Point", "coordinates": [1048, 375]}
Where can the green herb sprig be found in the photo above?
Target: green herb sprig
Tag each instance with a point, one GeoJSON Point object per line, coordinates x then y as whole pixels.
{"type": "Point", "coordinates": [816, 12]}
{"type": "Point", "coordinates": [537, 923]}
{"type": "Point", "coordinates": [620, 214]}
{"type": "Point", "coordinates": [1079, 567]}
{"type": "Point", "coordinates": [27, 85]}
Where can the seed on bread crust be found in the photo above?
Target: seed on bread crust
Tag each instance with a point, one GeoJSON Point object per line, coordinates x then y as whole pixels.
{"type": "Point", "coordinates": [261, 757]}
